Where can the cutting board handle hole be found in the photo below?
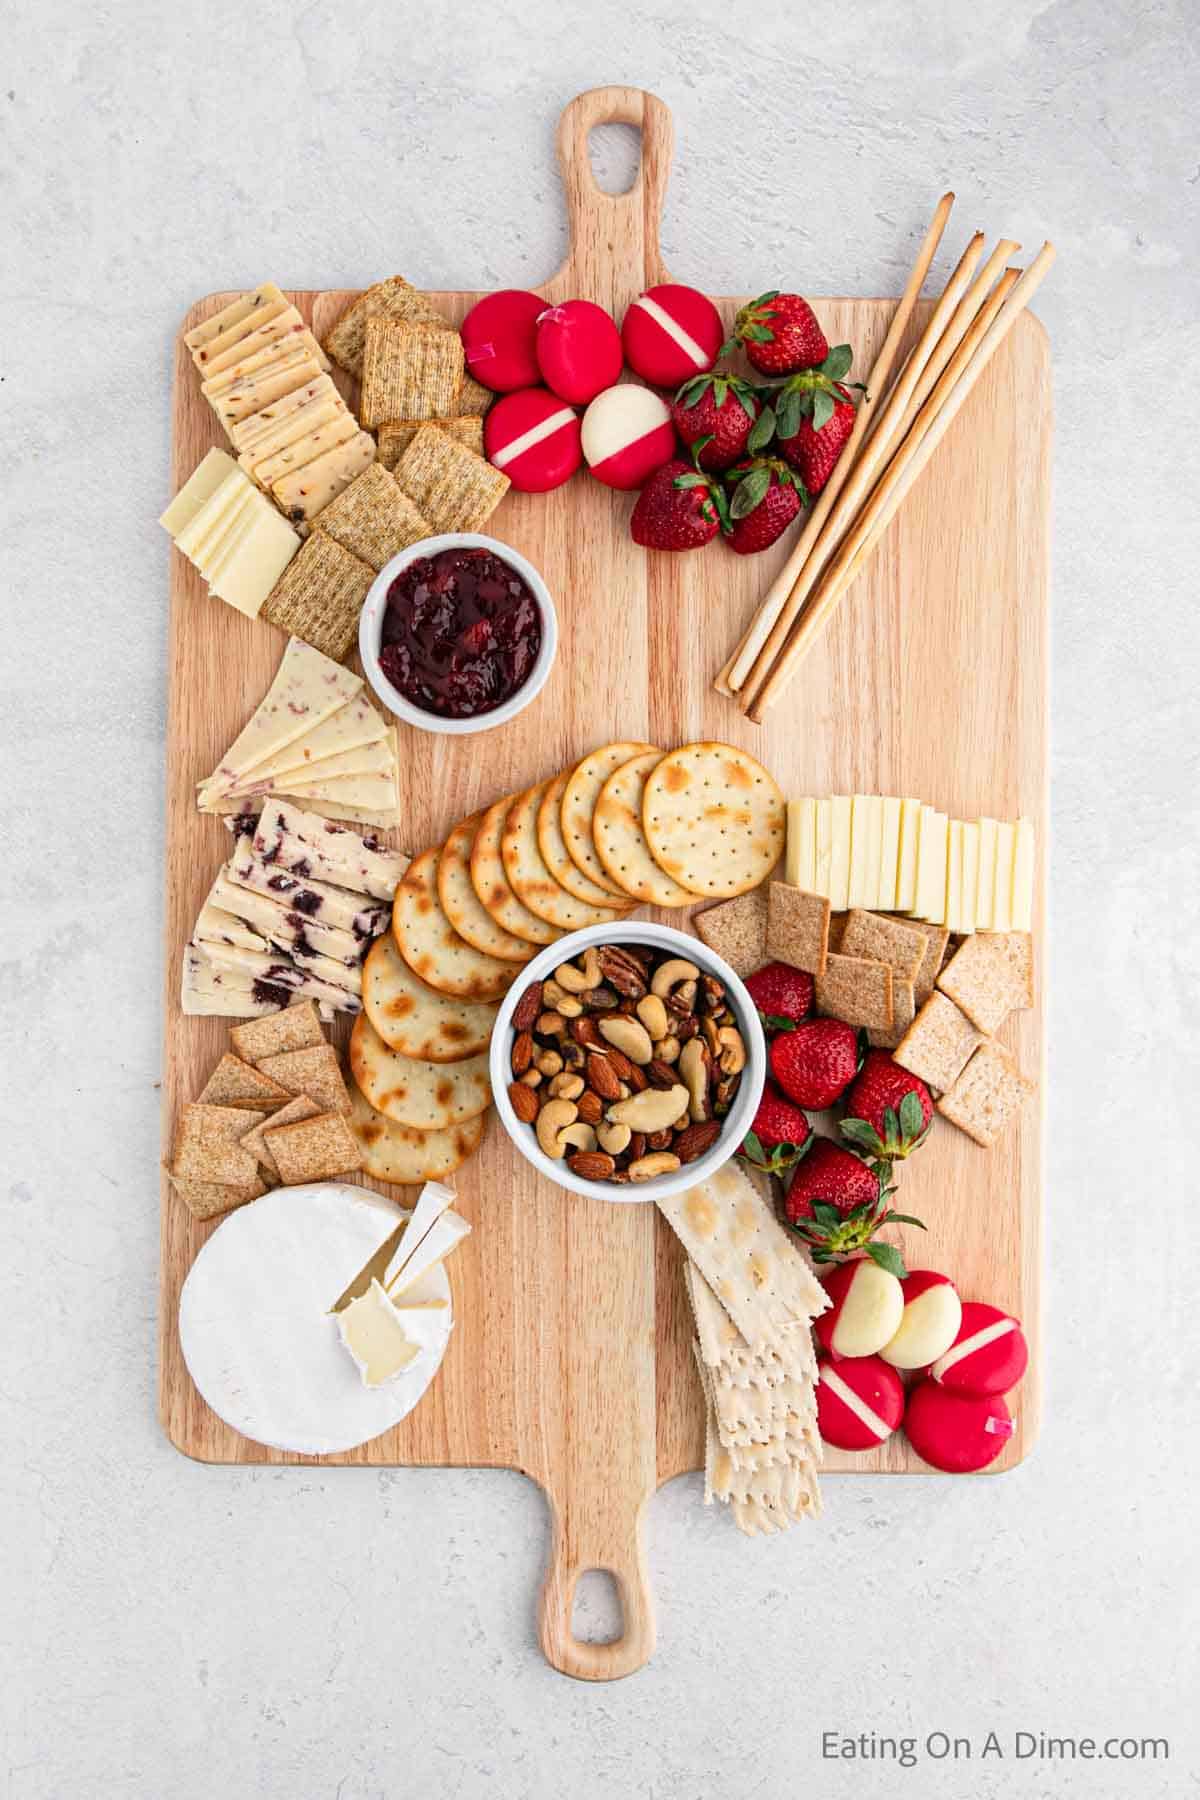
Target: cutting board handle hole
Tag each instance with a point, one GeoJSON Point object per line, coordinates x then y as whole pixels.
{"type": "Point", "coordinates": [597, 1616]}
{"type": "Point", "coordinates": [615, 157]}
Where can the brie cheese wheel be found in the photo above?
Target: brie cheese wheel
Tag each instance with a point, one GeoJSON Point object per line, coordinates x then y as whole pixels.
{"type": "Point", "coordinates": [258, 1336]}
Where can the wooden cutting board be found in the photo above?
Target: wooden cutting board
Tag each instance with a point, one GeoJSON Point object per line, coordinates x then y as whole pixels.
{"type": "Point", "coordinates": [570, 1358]}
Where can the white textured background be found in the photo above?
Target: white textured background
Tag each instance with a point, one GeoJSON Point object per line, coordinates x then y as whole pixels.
{"type": "Point", "coordinates": [177, 1632]}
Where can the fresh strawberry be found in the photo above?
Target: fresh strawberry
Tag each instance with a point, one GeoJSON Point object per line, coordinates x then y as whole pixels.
{"type": "Point", "coordinates": [766, 499]}
{"type": "Point", "coordinates": [680, 508]}
{"type": "Point", "coordinates": [887, 1110]}
{"type": "Point", "coordinates": [776, 1141]}
{"type": "Point", "coordinates": [783, 995]}
{"type": "Point", "coordinates": [834, 1176]}
{"type": "Point", "coordinates": [780, 334]}
{"type": "Point", "coordinates": [714, 415]}
{"type": "Point", "coordinates": [813, 449]}
{"type": "Point", "coordinates": [837, 1204]}
{"type": "Point", "coordinates": [815, 1064]}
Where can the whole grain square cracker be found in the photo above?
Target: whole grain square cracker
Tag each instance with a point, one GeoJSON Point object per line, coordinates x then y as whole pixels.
{"type": "Point", "coordinates": [883, 939]}
{"type": "Point", "coordinates": [737, 930]}
{"type": "Point", "coordinates": [987, 1095]}
{"type": "Point", "coordinates": [209, 1199]}
{"type": "Point", "coordinates": [473, 398]}
{"type": "Point", "coordinates": [320, 595]}
{"type": "Point", "coordinates": [295, 1028]}
{"type": "Point", "coordinates": [857, 991]}
{"type": "Point", "coordinates": [455, 489]}
{"type": "Point", "coordinates": [314, 1073]}
{"type": "Point", "coordinates": [989, 976]}
{"type": "Point", "coordinates": [938, 1043]}
{"type": "Point", "coordinates": [374, 518]}
{"type": "Point", "coordinates": [904, 1009]}
{"type": "Point", "coordinates": [237, 1083]}
{"type": "Point", "coordinates": [207, 1148]}
{"type": "Point", "coordinates": [291, 1114]}
{"type": "Point", "coordinates": [394, 298]}
{"type": "Point", "coordinates": [936, 939]}
{"type": "Point", "coordinates": [397, 434]}
{"type": "Point", "coordinates": [798, 928]}
{"type": "Point", "coordinates": [409, 372]}
{"type": "Point", "coordinates": [714, 819]}
{"type": "Point", "coordinates": [314, 1149]}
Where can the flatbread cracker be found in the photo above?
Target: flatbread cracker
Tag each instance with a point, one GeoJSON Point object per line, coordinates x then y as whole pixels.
{"type": "Point", "coordinates": [394, 298]}
{"type": "Point", "coordinates": [879, 938]}
{"type": "Point", "coordinates": [430, 1096]}
{"type": "Point", "coordinates": [319, 596]}
{"type": "Point", "coordinates": [396, 435]}
{"type": "Point", "coordinates": [401, 1154]}
{"type": "Point", "coordinates": [455, 489]}
{"type": "Point", "coordinates": [462, 905]}
{"type": "Point", "coordinates": [291, 1114]}
{"type": "Point", "coordinates": [988, 1094]}
{"type": "Point", "coordinates": [737, 930]}
{"type": "Point", "coordinates": [237, 1083]}
{"type": "Point", "coordinates": [565, 871]}
{"type": "Point", "coordinates": [530, 879]}
{"type": "Point", "coordinates": [409, 371]}
{"type": "Point", "coordinates": [315, 1073]}
{"type": "Point", "coordinates": [989, 976]}
{"type": "Point", "coordinates": [374, 518]}
{"type": "Point", "coordinates": [491, 884]}
{"type": "Point", "coordinates": [580, 795]}
{"type": "Point", "coordinates": [314, 1149]}
{"type": "Point", "coordinates": [797, 928]}
{"type": "Point", "coordinates": [414, 1019]}
{"type": "Point", "coordinates": [938, 1044]}
{"type": "Point", "coordinates": [856, 991]}
{"type": "Point", "coordinates": [714, 819]}
{"type": "Point", "coordinates": [433, 949]}
{"type": "Point", "coordinates": [620, 842]}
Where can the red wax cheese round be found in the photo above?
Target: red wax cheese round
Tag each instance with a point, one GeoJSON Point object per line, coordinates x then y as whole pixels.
{"type": "Point", "coordinates": [956, 1432]}
{"type": "Point", "coordinates": [499, 339]}
{"type": "Point", "coordinates": [670, 333]}
{"type": "Point", "coordinates": [866, 1307]}
{"type": "Point", "coordinates": [627, 434]}
{"type": "Point", "coordinates": [578, 350]}
{"type": "Point", "coordinates": [860, 1402]}
{"type": "Point", "coordinates": [932, 1316]}
{"type": "Point", "coordinates": [988, 1354]}
{"type": "Point", "coordinates": [534, 438]}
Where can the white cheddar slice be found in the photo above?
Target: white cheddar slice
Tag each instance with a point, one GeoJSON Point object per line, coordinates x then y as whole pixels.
{"type": "Point", "coordinates": [283, 323]}
{"type": "Point", "coordinates": [373, 1332]}
{"type": "Point", "coordinates": [250, 432]}
{"type": "Point", "coordinates": [906, 877]}
{"type": "Point", "coordinates": [368, 791]}
{"type": "Point", "coordinates": [954, 874]}
{"type": "Point", "coordinates": [839, 853]}
{"type": "Point", "coordinates": [364, 759]}
{"type": "Point", "coordinates": [800, 864]}
{"type": "Point", "coordinates": [305, 450]}
{"type": "Point", "coordinates": [229, 315]}
{"type": "Point", "coordinates": [385, 818]}
{"type": "Point", "coordinates": [1002, 887]}
{"type": "Point", "coordinates": [205, 357]}
{"type": "Point", "coordinates": [200, 486]}
{"type": "Point", "coordinates": [434, 1200]}
{"type": "Point", "coordinates": [354, 727]}
{"type": "Point", "coordinates": [223, 541]}
{"type": "Point", "coordinates": [291, 372]}
{"type": "Point", "coordinates": [930, 902]}
{"type": "Point", "coordinates": [866, 825]}
{"type": "Point", "coordinates": [889, 855]}
{"type": "Point", "coordinates": [970, 876]}
{"type": "Point", "coordinates": [435, 1247]}
{"type": "Point", "coordinates": [248, 576]}
{"type": "Point", "coordinates": [307, 688]}
{"type": "Point", "coordinates": [822, 846]}
{"type": "Point", "coordinates": [1022, 884]}
{"type": "Point", "coordinates": [985, 903]}
{"type": "Point", "coordinates": [303, 493]}
{"type": "Point", "coordinates": [215, 512]}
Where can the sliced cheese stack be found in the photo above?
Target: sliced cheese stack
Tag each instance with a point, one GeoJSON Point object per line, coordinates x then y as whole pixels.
{"type": "Point", "coordinates": [891, 855]}
{"type": "Point", "coordinates": [267, 379]}
{"type": "Point", "coordinates": [384, 1324]}
{"type": "Point", "coordinates": [315, 737]}
{"type": "Point", "coordinates": [231, 533]}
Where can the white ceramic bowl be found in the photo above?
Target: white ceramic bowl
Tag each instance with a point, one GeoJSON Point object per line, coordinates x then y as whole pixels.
{"type": "Point", "coordinates": [370, 632]}
{"type": "Point", "coordinates": [736, 1123]}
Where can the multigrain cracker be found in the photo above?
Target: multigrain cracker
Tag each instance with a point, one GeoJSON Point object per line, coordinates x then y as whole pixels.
{"type": "Point", "coordinates": [904, 1008]}
{"type": "Point", "coordinates": [936, 939]}
{"type": "Point", "coordinates": [856, 991]}
{"type": "Point", "coordinates": [797, 928]}
{"type": "Point", "coordinates": [989, 976]}
{"type": "Point", "coordinates": [207, 1148]}
{"type": "Point", "coordinates": [237, 1083]}
{"type": "Point", "coordinates": [737, 930]}
{"type": "Point", "coordinates": [295, 1028]}
{"type": "Point", "coordinates": [473, 398]}
{"type": "Point", "coordinates": [374, 518]}
{"type": "Point", "coordinates": [394, 298]}
{"type": "Point", "coordinates": [291, 1114]}
{"type": "Point", "coordinates": [314, 1073]}
{"type": "Point", "coordinates": [314, 1149]}
{"type": "Point", "coordinates": [395, 437]}
{"type": "Point", "coordinates": [209, 1199]}
{"type": "Point", "coordinates": [882, 939]}
{"type": "Point", "coordinates": [987, 1095]}
{"type": "Point", "coordinates": [409, 372]}
{"type": "Point", "coordinates": [938, 1043]}
{"type": "Point", "coordinates": [455, 489]}
{"type": "Point", "coordinates": [320, 595]}
{"type": "Point", "coordinates": [714, 819]}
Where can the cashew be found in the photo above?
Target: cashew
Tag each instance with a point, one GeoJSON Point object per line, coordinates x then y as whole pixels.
{"type": "Point", "coordinates": [567, 1086]}
{"type": "Point", "coordinates": [554, 1117]}
{"type": "Point", "coordinates": [712, 1035]}
{"type": "Point", "coordinates": [653, 1015]}
{"type": "Point", "coordinates": [578, 981]}
{"type": "Point", "coordinates": [670, 973]}
{"type": "Point", "coordinates": [651, 1110]}
{"type": "Point", "coordinates": [667, 1049]}
{"type": "Point", "coordinates": [660, 1162]}
{"type": "Point", "coordinates": [613, 1138]}
{"type": "Point", "coordinates": [577, 1137]}
{"type": "Point", "coordinates": [547, 1062]}
{"type": "Point", "coordinates": [732, 1055]}
{"type": "Point", "coordinates": [629, 1036]}
{"type": "Point", "coordinates": [531, 1078]}
{"type": "Point", "coordinates": [694, 1071]}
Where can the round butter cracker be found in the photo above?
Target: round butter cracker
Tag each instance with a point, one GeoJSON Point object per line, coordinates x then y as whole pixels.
{"type": "Point", "coordinates": [621, 843]}
{"type": "Point", "coordinates": [401, 1153]}
{"type": "Point", "coordinates": [553, 847]}
{"type": "Point", "coordinates": [714, 819]}
{"type": "Point", "coordinates": [579, 804]}
{"type": "Point", "coordinates": [492, 884]}
{"type": "Point", "coordinates": [413, 1018]}
{"type": "Point", "coordinates": [529, 877]}
{"type": "Point", "coordinates": [430, 1096]}
{"type": "Point", "coordinates": [430, 945]}
{"type": "Point", "coordinates": [462, 905]}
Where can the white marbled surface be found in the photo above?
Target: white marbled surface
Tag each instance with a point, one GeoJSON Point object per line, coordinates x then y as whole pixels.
{"type": "Point", "coordinates": [179, 1632]}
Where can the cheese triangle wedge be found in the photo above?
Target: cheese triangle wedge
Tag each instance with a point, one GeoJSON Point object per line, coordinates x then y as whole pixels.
{"type": "Point", "coordinates": [435, 1247]}
{"type": "Point", "coordinates": [307, 688]}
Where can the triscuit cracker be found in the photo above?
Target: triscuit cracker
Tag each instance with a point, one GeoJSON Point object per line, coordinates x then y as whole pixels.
{"type": "Point", "coordinates": [295, 1028]}
{"type": "Point", "coordinates": [320, 595]}
{"type": "Point", "coordinates": [395, 437]}
{"type": "Point", "coordinates": [314, 1149]}
{"type": "Point", "coordinates": [856, 991]}
{"type": "Point", "coordinates": [880, 938]}
{"type": "Point", "coordinates": [291, 1114]}
{"type": "Point", "coordinates": [936, 939]}
{"type": "Point", "coordinates": [455, 489]}
{"type": "Point", "coordinates": [989, 976]}
{"type": "Point", "coordinates": [207, 1148]}
{"type": "Point", "coordinates": [737, 930]}
{"type": "Point", "coordinates": [714, 819]}
{"type": "Point", "coordinates": [797, 928]}
{"type": "Point", "coordinates": [314, 1073]}
{"type": "Point", "coordinates": [409, 372]}
{"type": "Point", "coordinates": [904, 1008]}
{"type": "Point", "coordinates": [473, 398]}
{"type": "Point", "coordinates": [237, 1083]}
{"type": "Point", "coordinates": [373, 518]}
{"type": "Point", "coordinates": [938, 1044]}
{"type": "Point", "coordinates": [209, 1199]}
{"type": "Point", "coordinates": [394, 298]}
{"type": "Point", "coordinates": [987, 1095]}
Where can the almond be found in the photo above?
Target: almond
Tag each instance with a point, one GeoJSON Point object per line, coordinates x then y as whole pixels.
{"type": "Point", "coordinates": [585, 1031]}
{"type": "Point", "coordinates": [524, 1102]}
{"type": "Point", "coordinates": [522, 1052]}
{"type": "Point", "coordinates": [660, 1074]}
{"type": "Point", "coordinates": [591, 1165]}
{"type": "Point", "coordinates": [620, 1065]}
{"type": "Point", "coordinates": [528, 1007]}
{"type": "Point", "coordinates": [695, 1140]}
{"type": "Point", "coordinates": [591, 1107]}
{"type": "Point", "coordinates": [603, 1077]}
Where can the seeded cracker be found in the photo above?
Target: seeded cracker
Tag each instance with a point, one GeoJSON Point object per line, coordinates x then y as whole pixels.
{"type": "Point", "coordinates": [797, 928]}
{"type": "Point", "coordinates": [987, 1095]}
{"type": "Point", "coordinates": [395, 437]}
{"type": "Point", "coordinates": [737, 930]}
{"type": "Point", "coordinates": [409, 372]}
{"type": "Point", "coordinates": [938, 1043]}
{"type": "Point", "coordinates": [456, 490]}
{"type": "Point", "coordinates": [394, 298]}
{"type": "Point", "coordinates": [989, 976]}
{"type": "Point", "coordinates": [374, 518]}
{"type": "Point", "coordinates": [320, 595]}
{"type": "Point", "coordinates": [856, 991]}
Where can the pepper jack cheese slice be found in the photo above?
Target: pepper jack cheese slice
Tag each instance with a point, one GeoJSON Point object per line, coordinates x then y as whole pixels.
{"type": "Point", "coordinates": [285, 324]}
{"type": "Point", "coordinates": [200, 486]}
{"type": "Point", "coordinates": [337, 428]}
{"type": "Point", "coordinates": [205, 357]}
{"type": "Point", "coordinates": [292, 344]}
{"type": "Point", "coordinates": [273, 383]}
{"type": "Point", "coordinates": [302, 494]}
{"type": "Point", "coordinates": [249, 433]}
{"type": "Point", "coordinates": [307, 688]}
{"type": "Point", "coordinates": [229, 315]}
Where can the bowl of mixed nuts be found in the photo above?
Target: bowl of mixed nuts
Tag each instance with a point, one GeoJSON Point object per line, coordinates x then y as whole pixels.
{"type": "Point", "coordinates": [627, 1061]}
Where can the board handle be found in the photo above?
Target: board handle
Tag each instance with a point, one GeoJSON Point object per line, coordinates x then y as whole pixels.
{"type": "Point", "coordinates": [624, 1558]}
{"type": "Point", "coordinates": [612, 230]}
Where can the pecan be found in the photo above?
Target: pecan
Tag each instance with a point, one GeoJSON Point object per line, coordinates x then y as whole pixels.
{"type": "Point", "coordinates": [712, 994]}
{"type": "Point", "coordinates": [660, 1140]}
{"type": "Point", "coordinates": [678, 1006]}
{"type": "Point", "coordinates": [591, 1107]}
{"type": "Point", "coordinates": [524, 1102]}
{"type": "Point", "coordinates": [603, 1078]}
{"type": "Point", "coordinates": [592, 1165]}
{"type": "Point", "coordinates": [686, 1027]}
{"type": "Point", "coordinates": [660, 1074]}
{"type": "Point", "coordinates": [599, 999]}
{"type": "Point", "coordinates": [694, 1140]}
{"type": "Point", "coordinates": [585, 1030]}
{"type": "Point", "coordinates": [522, 1052]}
{"type": "Point", "coordinates": [623, 972]}
{"type": "Point", "coordinates": [528, 1007]}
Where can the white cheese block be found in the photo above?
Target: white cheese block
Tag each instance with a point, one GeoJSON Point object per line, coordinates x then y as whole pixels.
{"type": "Point", "coordinates": [259, 1339]}
{"type": "Point", "coordinates": [247, 576]}
{"type": "Point", "coordinates": [373, 1332]}
{"type": "Point", "coordinates": [305, 492]}
{"type": "Point", "coordinates": [889, 855]}
{"type": "Point", "coordinates": [200, 486]}
{"type": "Point", "coordinates": [800, 860]}
{"type": "Point", "coordinates": [434, 1200]}
{"type": "Point", "coordinates": [970, 876]}
{"type": "Point", "coordinates": [930, 901]}
{"type": "Point", "coordinates": [285, 928]}
{"type": "Point", "coordinates": [434, 1248]}
{"type": "Point", "coordinates": [1002, 889]}
{"type": "Point", "coordinates": [229, 315]}
{"type": "Point", "coordinates": [822, 846]}
{"type": "Point", "coordinates": [839, 852]}
{"type": "Point", "coordinates": [305, 450]}
{"type": "Point", "coordinates": [985, 903]}
{"type": "Point", "coordinates": [357, 725]}
{"type": "Point", "coordinates": [205, 357]}
{"type": "Point", "coordinates": [249, 433]}
{"type": "Point", "coordinates": [307, 688]}
{"type": "Point", "coordinates": [316, 900]}
{"type": "Point", "coordinates": [866, 827]}
{"type": "Point", "coordinates": [1022, 880]}
{"type": "Point", "coordinates": [308, 844]}
{"type": "Point", "coordinates": [906, 876]}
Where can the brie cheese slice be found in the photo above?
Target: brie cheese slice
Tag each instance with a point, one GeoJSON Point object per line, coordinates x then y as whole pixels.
{"type": "Point", "coordinates": [373, 1332]}
{"type": "Point", "coordinates": [435, 1247]}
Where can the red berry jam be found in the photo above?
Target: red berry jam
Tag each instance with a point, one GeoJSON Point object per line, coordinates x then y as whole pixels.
{"type": "Point", "coordinates": [461, 633]}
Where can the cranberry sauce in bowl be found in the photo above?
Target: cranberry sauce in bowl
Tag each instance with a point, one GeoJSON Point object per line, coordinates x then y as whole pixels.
{"type": "Point", "coordinates": [457, 633]}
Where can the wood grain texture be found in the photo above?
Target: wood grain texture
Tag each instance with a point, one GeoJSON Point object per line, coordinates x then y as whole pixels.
{"type": "Point", "coordinates": [570, 1358]}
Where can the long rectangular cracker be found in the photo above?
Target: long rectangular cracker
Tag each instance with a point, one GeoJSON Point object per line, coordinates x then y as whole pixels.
{"type": "Point", "coordinates": [394, 298]}
{"type": "Point", "coordinates": [397, 434]}
{"type": "Point", "coordinates": [314, 1073]}
{"type": "Point", "coordinates": [320, 594]}
{"type": "Point", "coordinates": [374, 518]}
{"type": "Point", "coordinates": [295, 1028]}
{"type": "Point", "coordinates": [938, 1043]}
{"type": "Point", "coordinates": [989, 976]}
{"type": "Point", "coordinates": [314, 1149]}
{"type": "Point", "coordinates": [237, 1083]}
{"type": "Point", "coordinates": [988, 1094]}
{"type": "Point", "coordinates": [880, 938]}
{"type": "Point", "coordinates": [856, 991]}
{"type": "Point", "coordinates": [296, 1110]}
{"type": "Point", "coordinates": [409, 372]}
{"type": "Point", "coordinates": [798, 928]}
{"type": "Point", "coordinates": [455, 489]}
{"type": "Point", "coordinates": [737, 930]}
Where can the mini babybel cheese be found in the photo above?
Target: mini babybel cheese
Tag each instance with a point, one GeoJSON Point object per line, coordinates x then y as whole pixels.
{"type": "Point", "coordinates": [499, 340]}
{"type": "Point", "coordinates": [932, 1316]}
{"type": "Point", "coordinates": [578, 350]}
{"type": "Point", "coordinates": [988, 1354]}
{"type": "Point", "coordinates": [533, 437]}
{"type": "Point", "coordinates": [866, 1307]}
{"type": "Point", "coordinates": [670, 333]}
{"type": "Point", "coordinates": [627, 434]}
{"type": "Point", "coordinates": [957, 1433]}
{"type": "Point", "coordinates": [860, 1402]}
